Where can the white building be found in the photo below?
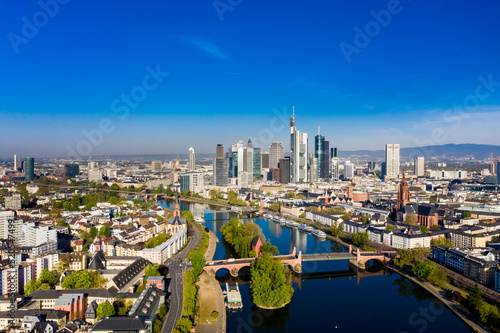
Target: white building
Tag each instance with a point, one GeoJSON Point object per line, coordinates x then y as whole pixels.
{"type": "Point", "coordinates": [418, 166]}
{"type": "Point", "coordinates": [335, 168]}
{"type": "Point", "coordinates": [166, 250]}
{"type": "Point", "coordinates": [276, 152]}
{"type": "Point", "coordinates": [444, 174]}
{"type": "Point", "coordinates": [298, 154]}
{"type": "Point", "coordinates": [391, 160]}
{"type": "Point", "coordinates": [192, 159]}
{"type": "Point", "coordinates": [95, 176]}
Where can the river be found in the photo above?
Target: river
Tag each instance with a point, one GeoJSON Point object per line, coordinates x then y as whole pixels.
{"type": "Point", "coordinates": [332, 296]}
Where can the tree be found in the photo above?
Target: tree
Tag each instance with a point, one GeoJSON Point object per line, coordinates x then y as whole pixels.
{"type": "Point", "coordinates": [268, 248]}
{"type": "Point", "coordinates": [215, 194]}
{"type": "Point", "coordinates": [420, 253]}
{"type": "Point", "coordinates": [184, 325]}
{"type": "Point", "coordinates": [61, 266]}
{"type": "Point", "coordinates": [411, 219]}
{"type": "Point", "coordinates": [105, 309]}
{"type": "Point", "coordinates": [122, 306]}
{"type": "Point", "coordinates": [157, 326]}
{"type": "Point", "coordinates": [365, 219]}
{"type": "Point", "coordinates": [274, 207]}
{"type": "Point", "coordinates": [30, 287]}
{"type": "Point", "coordinates": [114, 187]}
{"type": "Point", "coordinates": [424, 269]}
{"type": "Point", "coordinates": [424, 229]}
{"type": "Point", "coordinates": [345, 216]}
{"type": "Point", "coordinates": [151, 270]}
{"type": "Point", "coordinates": [337, 229]}
{"type": "Point", "coordinates": [55, 213]}
{"type": "Point", "coordinates": [105, 231]}
{"type": "Point", "coordinates": [62, 223]}
{"type": "Point", "coordinates": [270, 284]}
{"type": "Point", "coordinates": [466, 215]}
{"type": "Point", "coordinates": [433, 200]}
{"type": "Point", "coordinates": [46, 276]}
{"type": "Point", "coordinates": [475, 298]}
{"type": "Point", "coordinates": [198, 262]}
{"type": "Point", "coordinates": [169, 192]}
{"type": "Point", "coordinates": [442, 241]}
{"type": "Point", "coordinates": [405, 258]}
{"type": "Point", "coordinates": [93, 232]}
{"type": "Point", "coordinates": [360, 239]}
{"type": "Point", "coordinates": [188, 215]}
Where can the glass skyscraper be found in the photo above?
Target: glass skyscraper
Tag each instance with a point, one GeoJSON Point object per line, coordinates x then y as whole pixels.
{"type": "Point", "coordinates": [256, 163]}
{"type": "Point", "coordinates": [29, 168]}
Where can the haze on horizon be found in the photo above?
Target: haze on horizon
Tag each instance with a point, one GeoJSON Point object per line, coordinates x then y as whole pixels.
{"type": "Point", "coordinates": [198, 74]}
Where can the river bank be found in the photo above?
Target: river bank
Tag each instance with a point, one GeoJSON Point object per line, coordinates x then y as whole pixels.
{"type": "Point", "coordinates": [456, 309]}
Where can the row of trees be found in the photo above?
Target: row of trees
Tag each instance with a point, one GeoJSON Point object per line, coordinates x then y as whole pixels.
{"type": "Point", "coordinates": [232, 199]}
{"type": "Point", "coordinates": [88, 279]}
{"type": "Point", "coordinates": [47, 279]}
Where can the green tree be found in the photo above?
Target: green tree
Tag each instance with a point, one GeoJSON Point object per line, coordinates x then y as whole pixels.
{"type": "Point", "coordinates": [424, 269]}
{"type": "Point", "coordinates": [105, 309]}
{"type": "Point", "coordinates": [157, 326]}
{"type": "Point", "coordinates": [169, 192]}
{"type": "Point", "coordinates": [270, 284]}
{"type": "Point", "coordinates": [467, 215]}
{"type": "Point", "coordinates": [411, 219]}
{"type": "Point", "coordinates": [151, 270]}
{"type": "Point", "coordinates": [274, 207]}
{"type": "Point", "coordinates": [442, 241]}
{"type": "Point", "coordinates": [30, 287]}
{"type": "Point", "coordinates": [433, 200]}
{"type": "Point", "coordinates": [62, 223]}
{"type": "Point", "coordinates": [93, 232]}
{"type": "Point", "coordinates": [337, 229]}
{"type": "Point", "coordinates": [105, 231]}
{"type": "Point", "coordinates": [188, 215]}
{"type": "Point", "coordinates": [184, 325]}
{"type": "Point", "coordinates": [55, 213]}
{"type": "Point", "coordinates": [424, 229]}
{"type": "Point", "coordinates": [405, 257]}
{"type": "Point", "coordinates": [114, 187]}
{"type": "Point", "coordinates": [268, 248]}
{"type": "Point", "coordinates": [475, 298]}
{"type": "Point", "coordinates": [360, 239]}
{"type": "Point", "coordinates": [420, 253]}
{"type": "Point", "coordinates": [198, 262]}
{"type": "Point", "coordinates": [46, 276]}
{"type": "Point", "coordinates": [365, 219]}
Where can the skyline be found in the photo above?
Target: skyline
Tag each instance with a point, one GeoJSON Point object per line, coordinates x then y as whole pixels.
{"type": "Point", "coordinates": [240, 76]}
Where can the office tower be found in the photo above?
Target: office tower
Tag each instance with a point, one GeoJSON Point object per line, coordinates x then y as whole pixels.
{"type": "Point", "coordinates": [192, 182]}
{"type": "Point", "coordinates": [334, 152]}
{"type": "Point", "coordinates": [156, 166]}
{"type": "Point", "coordinates": [348, 170]}
{"type": "Point", "coordinates": [13, 202]}
{"type": "Point", "coordinates": [29, 167]}
{"type": "Point", "coordinates": [274, 174]}
{"type": "Point", "coordinates": [313, 168]}
{"type": "Point", "coordinates": [498, 173]}
{"type": "Point", "coordinates": [243, 179]}
{"type": "Point", "coordinates": [15, 163]}
{"type": "Point", "coordinates": [371, 166]}
{"type": "Point", "coordinates": [284, 170]}
{"type": "Point", "coordinates": [245, 163]}
{"type": "Point", "coordinates": [221, 167]}
{"type": "Point", "coordinates": [298, 153]}
{"type": "Point", "coordinates": [264, 160]}
{"type": "Point", "coordinates": [95, 165]}
{"type": "Point", "coordinates": [233, 159]}
{"type": "Point", "coordinates": [321, 153]}
{"type": "Point", "coordinates": [419, 166]}
{"type": "Point", "coordinates": [192, 159]}
{"type": "Point", "coordinates": [335, 168]}
{"type": "Point", "coordinates": [95, 176]}
{"type": "Point", "coordinates": [219, 153]}
{"type": "Point", "coordinates": [71, 170]}
{"type": "Point", "coordinates": [392, 160]}
{"type": "Point", "coordinates": [276, 152]}
{"type": "Point", "coordinates": [257, 163]}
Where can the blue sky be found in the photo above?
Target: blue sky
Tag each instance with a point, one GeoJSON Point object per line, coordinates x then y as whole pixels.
{"type": "Point", "coordinates": [235, 71]}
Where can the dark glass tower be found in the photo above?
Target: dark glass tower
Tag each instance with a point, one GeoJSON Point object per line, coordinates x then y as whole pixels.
{"type": "Point", "coordinates": [29, 167]}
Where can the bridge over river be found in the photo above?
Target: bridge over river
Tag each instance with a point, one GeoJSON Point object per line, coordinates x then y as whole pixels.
{"type": "Point", "coordinates": [294, 260]}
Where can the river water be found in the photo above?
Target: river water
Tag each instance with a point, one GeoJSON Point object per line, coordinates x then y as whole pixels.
{"type": "Point", "coordinates": [331, 296]}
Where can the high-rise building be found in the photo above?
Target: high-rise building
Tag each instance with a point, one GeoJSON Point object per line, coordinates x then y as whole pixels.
{"type": "Point", "coordinates": [418, 165]}
{"type": "Point", "coordinates": [13, 202]}
{"type": "Point", "coordinates": [348, 170]}
{"type": "Point", "coordinates": [221, 167]}
{"type": "Point", "coordinates": [192, 182]}
{"type": "Point", "coordinates": [298, 153]}
{"type": "Point", "coordinates": [264, 160]}
{"type": "Point", "coordinates": [256, 163]}
{"type": "Point", "coordinates": [498, 173]}
{"type": "Point", "coordinates": [94, 166]}
{"type": "Point", "coordinates": [284, 170]}
{"type": "Point", "coordinates": [234, 159]}
{"type": "Point", "coordinates": [245, 163]}
{"type": "Point", "coordinates": [334, 152]}
{"type": "Point", "coordinates": [335, 168]}
{"type": "Point", "coordinates": [321, 153]}
{"type": "Point", "coordinates": [29, 167]}
{"type": "Point", "coordinates": [192, 159]}
{"type": "Point", "coordinates": [313, 168]}
{"type": "Point", "coordinates": [371, 166]}
{"type": "Point", "coordinates": [391, 160]}
{"type": "Point", "coordinates": [156, 166]}
{"type": "Point", "coordinates": [219, 151]}
{"type": "Point", "coordinates": [276, 152]}
{"type": "Point", "coordinates": [15, 163]}
{"type": "Point", "coordinates": [71, 170]}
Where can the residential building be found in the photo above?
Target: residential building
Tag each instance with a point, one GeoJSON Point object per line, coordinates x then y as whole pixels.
{"type": "Point", "coordinates": [13, 202]}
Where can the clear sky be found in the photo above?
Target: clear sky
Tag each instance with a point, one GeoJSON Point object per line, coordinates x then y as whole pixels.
{"type": "Point", "coordinates": [161, 76]}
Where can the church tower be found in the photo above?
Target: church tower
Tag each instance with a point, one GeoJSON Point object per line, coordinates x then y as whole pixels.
{"type": "Point", "coordinates": [403, 194]}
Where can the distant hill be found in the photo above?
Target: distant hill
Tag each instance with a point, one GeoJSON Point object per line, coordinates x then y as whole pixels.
{"type": "Point", "coordinates": [448, 151]}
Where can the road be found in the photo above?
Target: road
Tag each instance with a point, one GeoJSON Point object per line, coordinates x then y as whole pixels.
{"type": "Point", "coordinates": [176, 268]}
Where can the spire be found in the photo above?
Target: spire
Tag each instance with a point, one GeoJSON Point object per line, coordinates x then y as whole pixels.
{"type": "Point", "coordinates": [318, 131]}
{"type": "Point", "coordinates": [249, 144]}
{"type": "Point", "coordinates": [292, 118]}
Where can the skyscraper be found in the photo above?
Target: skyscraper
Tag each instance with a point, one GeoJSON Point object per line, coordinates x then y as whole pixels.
{"type": "Point", "coordinates": [392, 160]}
{"type": "Point", "coordinates": [335, 168]}
{"type": "Point", "coordinates": [276, 152]}
{"type": "Point", "coordinates": [192, 159]}
{"type": "Point", "coordinates": [256, 163]}
{"type": "Point", "coordinates": [419, 166]}
{"type": "Point", "coordinates": [348, 170]}
{"type": "Point", "coordinates": [219, 151]}
{"type": "Point", "coordinates": [233, 159]}
{"type": "Point", "coordinates": [29, 167]}
{"type": "Point", "coordinates": [284, 170]}
{"type": "Point", "coordinates": [245, 163]}
{"type": "Point", "coordinates": [321, 152]}
{"type": "Point", "coordinates": [15, 163]}
{"type": "Point", "coordinates": [264, 158]}
{"type": "Point", "coordinates": [71, 170]}
{"type": "Point", "coordinates": [313, 168]}
{"type": "Point", "coordinates": [298, 153]}
{"type": "Point", "coordinates": [155, 166]}
{"type": "Point", "coordinates": [498, 173]}
{"type": "Point", "coordinates": [334, 152]}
